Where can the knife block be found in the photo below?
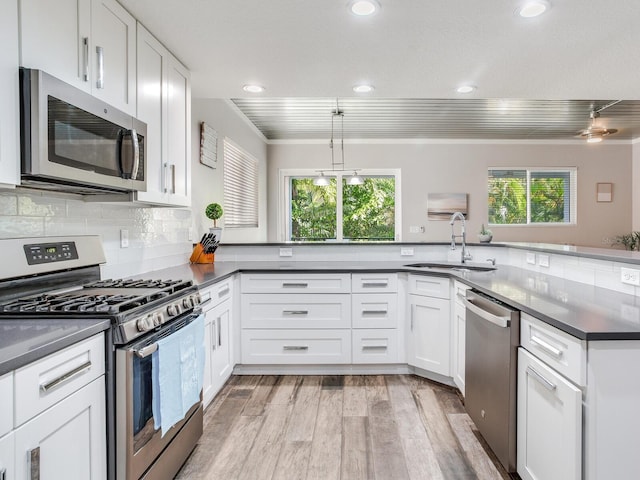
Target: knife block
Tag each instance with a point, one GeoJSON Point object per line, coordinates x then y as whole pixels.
{"type": "Point", "coordinates": [198, 255]}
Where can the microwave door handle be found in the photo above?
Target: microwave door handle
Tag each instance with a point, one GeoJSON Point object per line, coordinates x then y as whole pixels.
{"type": "Point", "coordinates": [136, 153]}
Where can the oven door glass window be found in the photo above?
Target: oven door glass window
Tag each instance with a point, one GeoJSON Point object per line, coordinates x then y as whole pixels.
{"type": "Point", "coordinates": [143, 428]}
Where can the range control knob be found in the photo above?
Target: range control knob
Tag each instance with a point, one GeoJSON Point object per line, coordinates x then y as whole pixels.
{"type": "Point", "coordinates": [197, 299]}
{"type": "Point", "coordinates": [187, 302]}
{"type": "Point", "coordinates": [145, 323]}
{"type": "Point", "coordinates": [172, 310]}
{"type": "Point", "coordinates": [157, 319]}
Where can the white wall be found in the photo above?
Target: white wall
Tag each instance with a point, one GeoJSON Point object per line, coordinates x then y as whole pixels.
{"type": "Point", "coordinates": [461, 167]}
{"type": "Point", "coordinates": [207, 183]}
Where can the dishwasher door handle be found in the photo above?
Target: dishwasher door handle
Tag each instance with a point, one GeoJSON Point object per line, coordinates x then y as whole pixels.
{"type": "Point", "coordinates": [502, 322]}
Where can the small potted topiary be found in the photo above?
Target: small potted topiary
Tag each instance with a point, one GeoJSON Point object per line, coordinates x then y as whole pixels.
{"type": "Point", "coordinates": [485, 235]}
{"type": "Point", "coordinates": [214, 212]}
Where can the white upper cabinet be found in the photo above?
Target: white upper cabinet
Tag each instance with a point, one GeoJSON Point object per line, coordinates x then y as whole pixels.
{"type": "Point", "coordinates": [90, 44]}
{"type": "Point", "coordinates": [164, 104]}
{"type": "Point", "coordinates": [9, 113]}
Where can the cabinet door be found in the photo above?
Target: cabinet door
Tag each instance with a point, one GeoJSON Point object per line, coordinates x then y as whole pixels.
{"type": "Point", "coordinates": [113, 55]}
{"type": "Point", "coordinates": [9, 113]}
{"type": "Point", "coordinates": [178, 159]}
{"type": "Point", "coordinates": [430, 334]}
{"type": "Point", "coordinates": [7, 457]}
{"type": "Point", "coordinates": [458, 343]}
{"type": "Point", "coordinates": [56, 37]}
{"type": "Point", "coordinates": [207, 379]}
{"type": "Point", "coordinates": [549, 422]}
{"type": "Point", "coordinates": [221, 363]}
{"type": "Point", "coordinates": [152, 110]}
{"type": "Point", "coordinates": [66, 441]}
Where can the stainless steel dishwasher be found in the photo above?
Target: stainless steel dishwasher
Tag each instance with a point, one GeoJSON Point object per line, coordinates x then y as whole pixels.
{"type": "Point", "coordinates": [492, 338]}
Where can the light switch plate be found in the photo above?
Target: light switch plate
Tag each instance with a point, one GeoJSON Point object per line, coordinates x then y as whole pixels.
{"type": "Point", "coordinates": [543, 260]}
{"type": "Point", "coordinates": [406, 251]}
{"type": "Point", "coordinates": [531, 258]}
{"type": "Point", "coordinates": [286, 252]}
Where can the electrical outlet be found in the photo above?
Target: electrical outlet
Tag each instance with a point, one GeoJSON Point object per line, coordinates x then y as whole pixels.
{"type": "Point", "coordinates": [286, 252]}
{"type": "Point", "coordinates": [190, 234]}
{"type": "Point", "coordinates": [630, 276]}
{"type": "Point", "coordinates": [124, 238]}
{"type": "Point", "coordinates": [406, 251]}
{"type": "Point", "coordinates": [543, 260]}
{"type": "Point", "coordinates": [531, 258]}
{"type": "Point", "coordinates": [416, 229]}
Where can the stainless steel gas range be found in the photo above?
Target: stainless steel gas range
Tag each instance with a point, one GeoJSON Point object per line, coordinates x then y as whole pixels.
{"type": "Point", "coordinates": [59, 278]}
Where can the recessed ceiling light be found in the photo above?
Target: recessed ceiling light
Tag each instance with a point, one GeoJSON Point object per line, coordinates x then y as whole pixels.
{"type": "Point", "coordinates": [466, 89]}
{"type": "Point", "coordinates": [363, 88]}
{"type": "Point", "coordinates": [253, 88]}
{"type": "Point", "coordinates": [364, 7]}
{"type": "Point", "coordinates": [533, 8]}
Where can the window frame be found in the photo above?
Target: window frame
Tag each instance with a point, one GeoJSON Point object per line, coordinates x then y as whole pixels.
{"type": "Point", "coordinates": [284, 193]}
{"type": "Point", "coordinates": [573, 196]}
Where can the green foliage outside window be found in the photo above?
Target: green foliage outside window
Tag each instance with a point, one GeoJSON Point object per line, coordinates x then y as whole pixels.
{"type": "Point", "coordinates": [368, 210]}
{"type": "Point", "coordinates": [549, 197]}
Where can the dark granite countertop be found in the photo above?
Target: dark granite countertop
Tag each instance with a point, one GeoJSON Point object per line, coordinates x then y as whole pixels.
{"type": "Point", "coordinates": [25, 341]}
{"type": "Point", "coordinates": [584, 311]}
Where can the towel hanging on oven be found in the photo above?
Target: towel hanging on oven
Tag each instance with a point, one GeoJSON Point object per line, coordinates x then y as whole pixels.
{"type": "Point", "coordinates": [178, 371]}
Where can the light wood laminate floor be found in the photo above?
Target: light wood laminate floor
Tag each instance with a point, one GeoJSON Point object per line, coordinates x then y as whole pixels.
{"type": "Point", "coordinates": [374, 427]}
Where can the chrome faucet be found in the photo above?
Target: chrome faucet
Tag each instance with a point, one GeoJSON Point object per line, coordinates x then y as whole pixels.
{"type": "Point", "coordinates": [465, 255]}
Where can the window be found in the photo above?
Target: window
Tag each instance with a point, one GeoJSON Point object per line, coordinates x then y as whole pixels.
{"type": "Point", "coordinates": [339, 211]}
{"type": "Point", "coordinates": [532, 196]}
{"type": "Point", "coordinates": [240, 188]}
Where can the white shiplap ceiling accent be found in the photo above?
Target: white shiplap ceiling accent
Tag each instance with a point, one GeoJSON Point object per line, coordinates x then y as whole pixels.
{"type": "Point", "coordinates": [584, 50]}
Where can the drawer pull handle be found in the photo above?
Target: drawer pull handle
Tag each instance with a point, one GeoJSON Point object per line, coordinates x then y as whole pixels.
{"type": "Point", "coordinates": [295, 312]}
{"type": "Point", "coordinates": [295, 285]}
{"type": "Point", "coordinates": [222, 293]}
{"type": "Point", "coordinates": [65, 377]}
{"type": "Point", "coordinates": [375, 284]}
{"type": "Point", "coordinates": [34, 464]}
{"type": "Point", "coordinates": [543, 381]}
{"type": "Point", "coordinates": [295, 348]}
{"type": "Point", "coordinates": [374, 347]}
{"type": "Point", "coordinates": [556, 352]}
{"type": "Point", "coordinates": [374, 312]}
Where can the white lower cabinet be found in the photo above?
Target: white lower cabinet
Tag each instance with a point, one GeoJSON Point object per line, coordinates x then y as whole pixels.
{"type": "Point", "coordinates": [218, 340]}
{"type": "Point", "coordinates": [7, 457]}
{"type": "Point", "coordinates": [378, 345]}
{"type": "Point", "coordinates": [459, 326]}
{"type": "Point", "coordinates": [331, 346]}
{"type": "Point", "coordinates": [67, 440]}
{"type": "Point", "coordinates": [549, 422]}
{"type": "Point", "coordinates": [430, 333]}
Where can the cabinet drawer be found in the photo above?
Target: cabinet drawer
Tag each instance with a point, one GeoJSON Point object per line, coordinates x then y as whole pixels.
{"type": "Point", "coordinates": [429, 286]}
{"type": "Point", "coordinates": [559, 350]}
{"type": "Point", "coordinates": [296, 283]}
{"type": "Point", "coordinates": [374, 282]}
{"type": "Point", "coordinates": [375, 345]}
{"type": "Point", "coordinates": [295, 311]}
{"type": "Point", "coordinates": [296, 346]}
{"type": "Point", "coordinates": [374, 311]}
{"type": "Point", "coordinates": [6, 404]}
{"type": "Point", "coordinates": [45, 382]}
{"type": "Point", "coordinates": [218, 293]}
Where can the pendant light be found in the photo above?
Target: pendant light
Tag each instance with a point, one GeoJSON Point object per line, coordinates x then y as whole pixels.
{"type": "Point", "coordinates": [337, 166]}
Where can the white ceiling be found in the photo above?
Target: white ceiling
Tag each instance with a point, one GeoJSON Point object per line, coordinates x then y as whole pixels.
{"type": "Point", "coordinates": [580, 49]}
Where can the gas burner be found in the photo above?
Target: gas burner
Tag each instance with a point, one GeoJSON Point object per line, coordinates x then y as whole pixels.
{"type": "Point", "coordinates": [133, 283]}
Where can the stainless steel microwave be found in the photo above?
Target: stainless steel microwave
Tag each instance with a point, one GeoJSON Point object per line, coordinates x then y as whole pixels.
{"type": "Point", "coordinates": [73, 142]}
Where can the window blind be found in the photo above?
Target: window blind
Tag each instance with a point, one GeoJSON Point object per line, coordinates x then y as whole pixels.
{"type": "Point", "coordinates": [240, 188]}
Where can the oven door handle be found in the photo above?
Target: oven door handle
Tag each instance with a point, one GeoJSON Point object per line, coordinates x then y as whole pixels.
{"type": "Point", "coordinates": [500, 321]}
{"type": "Point", "coordinates": [146, 351]}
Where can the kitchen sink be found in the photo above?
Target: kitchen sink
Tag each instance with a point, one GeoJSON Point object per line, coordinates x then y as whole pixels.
{"type": "Point", "coordinates": [453, 266]}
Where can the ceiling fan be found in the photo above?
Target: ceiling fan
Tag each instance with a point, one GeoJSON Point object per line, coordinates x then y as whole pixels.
{"type": "Point", "coordinates": [594, 133]}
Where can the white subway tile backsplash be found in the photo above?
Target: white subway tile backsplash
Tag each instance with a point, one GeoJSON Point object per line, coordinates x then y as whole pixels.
{"type": "Point", "coordinates": [40, 206]}
{"type": "Point", "coordinates": [15, 226]}
{"type": "Point", "coordinates": [56, 226]}
{"type": "Point", "coordinates": [8, 204]}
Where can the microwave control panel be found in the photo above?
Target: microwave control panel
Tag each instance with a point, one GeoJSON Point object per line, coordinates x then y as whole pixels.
{"type": "Point", "coordinates": [50, 252]}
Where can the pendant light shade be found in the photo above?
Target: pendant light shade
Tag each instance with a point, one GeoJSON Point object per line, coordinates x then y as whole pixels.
{"type": "Point", "coordinates": [355, 179]}
{"type": "Point", "coordinates": [321, 180]}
